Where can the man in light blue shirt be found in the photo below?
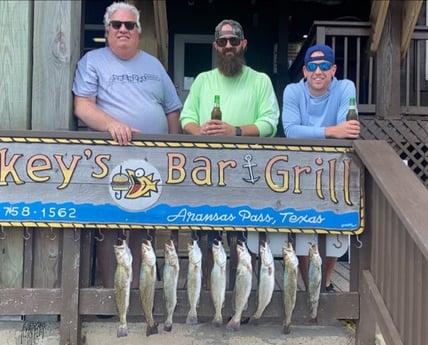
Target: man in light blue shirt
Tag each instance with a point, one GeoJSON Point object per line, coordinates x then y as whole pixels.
{"type": "Point", "coordinates": [316, 108]}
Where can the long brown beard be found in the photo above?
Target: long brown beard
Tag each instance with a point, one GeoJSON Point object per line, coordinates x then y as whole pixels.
{"type": "Point", "coordinates": [230, 65]}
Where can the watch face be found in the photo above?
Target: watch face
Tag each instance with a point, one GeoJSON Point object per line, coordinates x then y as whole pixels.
{"type": "Point", "coordinates": [238, 131]}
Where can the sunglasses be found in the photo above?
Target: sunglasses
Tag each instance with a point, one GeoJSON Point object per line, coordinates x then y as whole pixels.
{"type": "Point", "coordinates": [234, 41]}
{"type": "Point", "coordinates": [324, 66]}
{"type": "Point", "coordinates": [117, 24]}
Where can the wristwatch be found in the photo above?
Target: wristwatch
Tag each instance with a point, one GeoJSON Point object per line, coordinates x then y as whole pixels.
{"type": "Point", "coordinates": [238, 131]}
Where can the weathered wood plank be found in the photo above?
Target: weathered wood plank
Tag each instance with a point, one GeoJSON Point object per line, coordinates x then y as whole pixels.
{"type": "Point", "coordinates": [377, 19]}
{"type": "Point", "coordinates": [388, 97]}
{"type": "Point", "coordinates": [27, 280]}
{"type": "Point", "coordinates": [15, 109]}
{"type": "Point", "coordinates": [148, 24]}
{"type": "Point", "coordinates": [56, 51]}
{"type": "Point", "coordinates": [332, 306]}
{"type": "Point", "coordinates": [374, 313]}
{"type": "Point", "coordinates": [15, 67]}
{"type": "Point", "coordinates": [86, 272]}
{"type": "Point", "coordinates": [411, 10]}
{"type": "Point", "coordinates": [46, 268]}
{"type": "Point", "coordinates": [30, 301]}
{"type": "Point", "coordinates": [70, 316]}
{"type": "Point", "coordinates": [161, 24]}
{"type": "Point", "coordinates": [11, 258]}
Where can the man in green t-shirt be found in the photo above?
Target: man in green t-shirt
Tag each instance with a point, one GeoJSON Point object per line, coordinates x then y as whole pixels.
{"type": "Point", "coordinates": [248, 102]}
{"type": "Point", "coordinates": [247, 99]}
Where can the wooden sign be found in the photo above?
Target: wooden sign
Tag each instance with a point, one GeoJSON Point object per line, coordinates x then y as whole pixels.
{"type": "Point", "coordinates": [180, 182]}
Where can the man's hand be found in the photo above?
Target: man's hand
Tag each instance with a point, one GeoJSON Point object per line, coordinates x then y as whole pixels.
{"type": "Point", "coordinates": [121, 132]}
{"type": "Point", "coordinates": [217, 127]}
{"type": "Point", "coordinates": [345, 130]}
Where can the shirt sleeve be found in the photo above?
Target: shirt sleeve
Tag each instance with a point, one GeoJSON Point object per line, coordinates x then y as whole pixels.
{"type": "Point", "coordinates": [171, 100]}
{"type": "Point", "coordinates": [85, 82]}
{"type": "Point", "coordinates": [190, 111]}
{"type": "Point", "coordinates": [268, 114]}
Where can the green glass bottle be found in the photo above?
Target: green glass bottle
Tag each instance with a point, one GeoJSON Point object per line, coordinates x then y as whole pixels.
{"type": "Point", "coordinates": [352, 112]}
{"type": "Point", "coordinates": [216, 112]}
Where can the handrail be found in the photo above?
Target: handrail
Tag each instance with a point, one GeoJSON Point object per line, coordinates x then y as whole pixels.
{"type": "Point", "coordinates": [394, 264]}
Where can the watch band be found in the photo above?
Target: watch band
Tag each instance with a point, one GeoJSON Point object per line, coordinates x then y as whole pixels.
{"type": "Point", "coordinates": [238, 131]}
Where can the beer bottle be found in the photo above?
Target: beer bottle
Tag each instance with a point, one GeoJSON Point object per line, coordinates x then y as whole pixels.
{"type": "Point", "coordinates": [216, 112]}
{"type": "Point", "coordinates": [352, 112]}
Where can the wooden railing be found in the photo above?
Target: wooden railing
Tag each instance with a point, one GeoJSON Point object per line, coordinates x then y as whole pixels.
{"type": "Point", "coordinates": [394, 258]}
{"type": "Point", "coordinates": [350, 42]}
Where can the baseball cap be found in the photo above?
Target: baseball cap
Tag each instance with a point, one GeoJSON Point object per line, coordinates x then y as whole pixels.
{"type": "Point", "coordinates": [325, 49]}
{"type": "Point", "coordinates": [236, 29]}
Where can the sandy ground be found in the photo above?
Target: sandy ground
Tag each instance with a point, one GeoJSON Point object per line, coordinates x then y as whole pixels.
{"type": "Point", "coordinates": [104, 333]}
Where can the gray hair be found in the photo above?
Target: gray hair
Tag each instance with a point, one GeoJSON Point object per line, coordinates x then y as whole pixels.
{"type": "Point", "coordinates": [121, 6]}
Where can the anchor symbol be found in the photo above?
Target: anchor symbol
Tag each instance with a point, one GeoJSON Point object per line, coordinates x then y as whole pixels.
{"type": "Point", "coordinates": [252, 179]}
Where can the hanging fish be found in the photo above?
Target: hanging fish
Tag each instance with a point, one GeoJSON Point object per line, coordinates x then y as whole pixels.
{"type": "Point", "coordinates": [171, 270]}
{"type": "Point", "coordinates": [314, 281]}
{"type": "Point", "coordinates": [147, 285]}
{"type": "Point", "coordinates": [194, 281]}
{"type": "Point", "coordinates": [218, 281]}
{"type": "Point", "coordinates": [291, 272]}
{"type": "Point", "coordinates": [122, 284]}
{"type": "Point", "coordinates": [266, 281]}
{"type": "Point", "coordinates": [242, 289]}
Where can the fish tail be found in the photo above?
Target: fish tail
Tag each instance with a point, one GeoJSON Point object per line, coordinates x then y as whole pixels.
{"type": "Point", "coordinates": [122, 331]}
{"type": "Point", "coordinates": [233, 325]}
{"type": "Point", "coordinates": [254, 320]}
{"type": "Point", "coordinates": [167, 327]}
{"type": "Point", "coordinates": [286, 329]}
{"type": "Point", "coordinates": [218, 320]}
{"type": "Point", "coordinates": [152, 329]}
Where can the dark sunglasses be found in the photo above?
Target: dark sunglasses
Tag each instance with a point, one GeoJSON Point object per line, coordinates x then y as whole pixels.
{"type": "Point", "coordinates": [117, 24]}
{"type": "Point", "coordinates": [324, 66]}
{"type": "Point", "coordinates": [234, 41]}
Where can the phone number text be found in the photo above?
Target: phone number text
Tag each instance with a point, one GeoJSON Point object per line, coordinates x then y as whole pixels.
{"type": "Point", "coordinates": [40, 213]}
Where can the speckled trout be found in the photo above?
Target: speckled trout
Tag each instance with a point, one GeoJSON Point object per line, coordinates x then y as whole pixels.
{"type": "Point", "coordinates": [171, 270]}
{"type": "Point", "coordinates": [291, 272]}
{"type": "Point", "coordinates": [194, 281]}
{"type": "Point", "coordinates": [266, 281]}
{"type": "Point", "coordinates": [218, 281]}
{"type": "Point", "coordinates": [314, 282]}
{"type": "Point", "coordinates": [147, 285]}
{"type": "Point", "coordinates": [242, 289]}
{"type": "Point", "coordinates": [122, 284]}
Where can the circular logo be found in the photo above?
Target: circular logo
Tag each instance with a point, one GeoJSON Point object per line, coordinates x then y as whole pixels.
{"type": "Point", "coordinates": [135, 185]}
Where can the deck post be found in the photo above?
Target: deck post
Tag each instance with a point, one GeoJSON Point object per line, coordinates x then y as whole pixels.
{"type": "Point", "coordinates": [70, 326]}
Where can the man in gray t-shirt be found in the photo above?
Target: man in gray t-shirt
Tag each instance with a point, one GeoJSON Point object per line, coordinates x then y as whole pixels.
{"type": "Point", "coordinates": [122, 90]}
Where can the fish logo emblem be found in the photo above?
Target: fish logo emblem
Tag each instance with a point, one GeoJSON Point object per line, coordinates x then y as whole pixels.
{"type": "Point", "coordinates": [142, 185]}
{"type": "Point", "coordinates": [135, 185]}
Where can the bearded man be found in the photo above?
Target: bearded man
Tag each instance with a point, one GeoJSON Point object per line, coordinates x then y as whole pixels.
{"type": "Point", "coordinates": [247, 100]}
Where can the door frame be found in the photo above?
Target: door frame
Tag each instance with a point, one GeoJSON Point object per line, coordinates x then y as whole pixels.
{"type": "Point", "coordinates": [180, 41]}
